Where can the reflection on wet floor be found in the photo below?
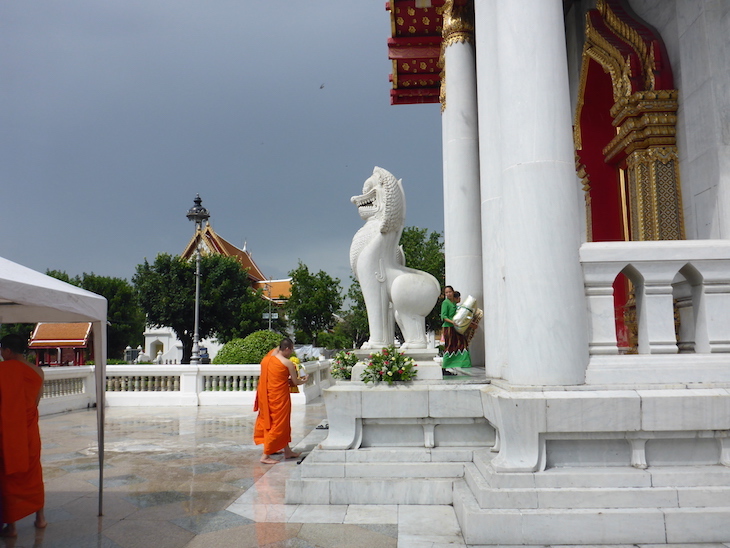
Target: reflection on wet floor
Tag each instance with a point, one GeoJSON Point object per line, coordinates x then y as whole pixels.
{"type": "Point", "coordinates": [170, 475]}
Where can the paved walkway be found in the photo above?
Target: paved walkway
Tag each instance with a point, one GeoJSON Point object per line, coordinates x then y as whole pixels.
{"type": "Point", "coordinates": [190, 477]}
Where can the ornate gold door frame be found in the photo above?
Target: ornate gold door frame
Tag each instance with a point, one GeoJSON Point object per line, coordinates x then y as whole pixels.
{"type": "Point", "coordinates": [644, 115]}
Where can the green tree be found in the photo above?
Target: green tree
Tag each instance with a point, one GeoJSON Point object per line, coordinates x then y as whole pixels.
{"type": "Point", "coordinates": [314, 300]}
{"type": "Point", "coordinates": [424, 250]}
{"type": "Point", "coordinates": [229, 308]}
{"type": "Point", "coordinates": [25, 330]}
{"type": "Point", "coordinates": [126, 320]}
{"type": "Point", "coordinates": [335, 339]}
{"type": "Point", "coordinates": [355, 320]}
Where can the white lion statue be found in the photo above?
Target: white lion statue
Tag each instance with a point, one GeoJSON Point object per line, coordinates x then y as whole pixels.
{"type": "Point", "coordinates": [390, 289]}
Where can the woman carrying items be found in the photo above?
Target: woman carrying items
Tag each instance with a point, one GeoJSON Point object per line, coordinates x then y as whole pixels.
{"type": "Point", "coordinates": [456, 353]}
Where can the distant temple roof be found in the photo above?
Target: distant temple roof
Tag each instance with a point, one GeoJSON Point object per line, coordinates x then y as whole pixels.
{"type": "Point", "coordinates": [211, 242]}
{"type": "Point", "coordinates": [61, 335]}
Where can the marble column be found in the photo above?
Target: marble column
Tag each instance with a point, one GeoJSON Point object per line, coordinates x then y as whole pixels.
{"type": "Point", "coordinates": [545, 320]}
{"type": "Point", "coordinates": [491, 189]}
{"type": "Point", "coordinates": [462, 225]}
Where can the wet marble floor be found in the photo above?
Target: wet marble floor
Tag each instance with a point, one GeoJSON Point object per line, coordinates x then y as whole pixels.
{"type": "Point", "coordinates": [190, 477]}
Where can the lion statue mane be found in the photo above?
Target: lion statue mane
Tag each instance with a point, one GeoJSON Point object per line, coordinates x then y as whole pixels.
{"type": "Point", "coordinates": [391, 290]}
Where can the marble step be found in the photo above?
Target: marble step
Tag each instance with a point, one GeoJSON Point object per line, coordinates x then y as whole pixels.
{"type": "Point", "coordinates": [487, 496]}
{"type": "Point", "coordinates": [603, 477]}
{"type": "Point", "coordinates": [586, 526]}
{"type": "Point", "coordinates": [384, 463]}
{"type": "Point", "coordinates": [392, 455]}
{"type": "Point", "coordinates": [301, 490]}
{"type": "Point", "coordinates": [383, 470]}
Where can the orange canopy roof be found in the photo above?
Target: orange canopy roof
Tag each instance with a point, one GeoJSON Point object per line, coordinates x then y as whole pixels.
{"type": "Point", "coordinates": [276, 290]}
{"type": "Point", "coordinates": [60, 335]}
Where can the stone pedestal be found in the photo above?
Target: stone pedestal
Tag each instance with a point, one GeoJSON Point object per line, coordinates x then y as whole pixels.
{"type": "Point", "coordinates": [428, 369]}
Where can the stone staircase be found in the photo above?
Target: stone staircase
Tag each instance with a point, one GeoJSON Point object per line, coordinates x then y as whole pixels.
{"type": "Point", "coordinates": [609, 505]}
{"type": "Point", "coordinates": [561, 506]}
{"type": "Point", "coordinates": [379, 475]}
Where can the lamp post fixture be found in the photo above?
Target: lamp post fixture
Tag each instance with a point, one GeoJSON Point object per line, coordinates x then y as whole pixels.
{"type": "Point", "coordinates": [200, 215]}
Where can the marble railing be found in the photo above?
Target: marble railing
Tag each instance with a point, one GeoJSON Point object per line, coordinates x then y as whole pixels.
{"type": "Point", "coordinates": [682, 291]}
{"type": "Point", "coordinates": [67, 388]}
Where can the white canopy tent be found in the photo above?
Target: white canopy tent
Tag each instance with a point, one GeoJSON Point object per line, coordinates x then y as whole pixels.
{"type": "Point", "coordinates": [27, 296]}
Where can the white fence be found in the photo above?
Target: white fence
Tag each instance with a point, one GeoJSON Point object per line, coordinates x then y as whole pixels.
{"type": "Point", "coordinates": [68, 388]}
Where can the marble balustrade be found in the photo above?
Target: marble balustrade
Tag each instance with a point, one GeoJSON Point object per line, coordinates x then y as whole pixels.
{"type": "Point", "coordinates": [689, 280]}
{"type": "Point", "coordinates": [69, 388]}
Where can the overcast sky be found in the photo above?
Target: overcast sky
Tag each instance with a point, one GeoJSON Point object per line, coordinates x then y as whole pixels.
{"type": "Point", "coordinates": [115, 113]}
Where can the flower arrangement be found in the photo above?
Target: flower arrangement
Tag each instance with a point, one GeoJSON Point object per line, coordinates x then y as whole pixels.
{"type": "Point", "coordinates": [389, 365]}
{"type": "Point", "coordinates": [298, 367]}
{"type": "Point", "coordinates": [342, 364]}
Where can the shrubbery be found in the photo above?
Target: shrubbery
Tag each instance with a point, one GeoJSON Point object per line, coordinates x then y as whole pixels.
{"type": "Point", "coordinates": [252, 349]}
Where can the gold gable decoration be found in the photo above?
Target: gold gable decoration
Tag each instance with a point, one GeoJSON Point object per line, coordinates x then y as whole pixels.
{"type": "Point", "coordinates": [458, 28]}
{"type": "Point", "coordinates": [645, 121]}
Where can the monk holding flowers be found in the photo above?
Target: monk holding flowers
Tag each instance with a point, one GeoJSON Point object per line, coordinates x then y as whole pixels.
{"type": "Point", "coordinates": [273, 402]}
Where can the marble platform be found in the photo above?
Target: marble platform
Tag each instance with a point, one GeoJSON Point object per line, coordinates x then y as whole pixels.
{"type": "Point", "coordinates": [522, 465]}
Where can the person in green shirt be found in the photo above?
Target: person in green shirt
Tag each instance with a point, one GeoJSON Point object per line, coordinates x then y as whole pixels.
{"type": "Point", "coordinates": [456, 353]}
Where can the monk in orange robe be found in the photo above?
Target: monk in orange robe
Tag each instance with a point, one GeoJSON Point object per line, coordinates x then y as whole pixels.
{"type": "Point", "coordinates": [273, 402]}
{"type": "Point", "coordinates": [21, 476]}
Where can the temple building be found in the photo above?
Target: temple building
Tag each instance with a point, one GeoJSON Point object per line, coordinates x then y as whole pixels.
{"type": "Point", "coordinates": [57, 344]}
{"type": "Point", "coordinates": [586, 175]}
{"type": "Point", "coordinates": [210, 242]}
{"type": "Point", "coordinates": [162, 345]}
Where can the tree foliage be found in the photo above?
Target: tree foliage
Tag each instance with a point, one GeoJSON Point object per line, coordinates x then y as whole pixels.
{"type": "Point", "coordinates": [314, 301]}
{"type": "Point", "coordinates": [424, 250]}
{"type": "Point", "coordinates": [355, 320]}
{"type": "Point", "coordinates": [25, 330]}
{"type": "Point", "coordinates": [229, 308]}
{"type": "Point", "coordinates": [126, 319]}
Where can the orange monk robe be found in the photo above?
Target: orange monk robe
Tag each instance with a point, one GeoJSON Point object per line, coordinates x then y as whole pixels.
{"type": "Point", "coordinates": [21, 476]}
{"type": "Point", "coordinates": [273, 402]}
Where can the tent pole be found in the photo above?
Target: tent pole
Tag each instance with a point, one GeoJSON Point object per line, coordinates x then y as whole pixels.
{"type": "Point", "coordinates": [100, 377]}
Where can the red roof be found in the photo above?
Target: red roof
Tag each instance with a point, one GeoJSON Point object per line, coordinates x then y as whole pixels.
{"type": "Point", "coordinates": [415, 48]}
{"type": "Point", "coordinates": [213, 243]}
{"type": "Point", "coordinates": [216, 244]}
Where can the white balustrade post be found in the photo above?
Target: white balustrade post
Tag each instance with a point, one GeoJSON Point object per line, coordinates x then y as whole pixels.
{"type": "Point", "coordinates": [712, 307]}
{"type": "Point", "coordinates": [89, 385]}
{"type": "Point", "coordinates": [190, 384]}
{"type": "Point", "coordinates": [603, 321]}
{"type": "Point", "coordinates": [655, 308]}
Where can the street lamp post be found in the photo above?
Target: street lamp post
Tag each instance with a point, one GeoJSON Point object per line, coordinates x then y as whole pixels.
{"type": "Point", "coordinates": [268, 288]}
{"type": "Point", "coordinates": [200, 215]}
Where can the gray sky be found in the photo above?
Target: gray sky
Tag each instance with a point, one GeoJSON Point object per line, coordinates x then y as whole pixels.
{"type": "Point", "coordinates": [115, 113]}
